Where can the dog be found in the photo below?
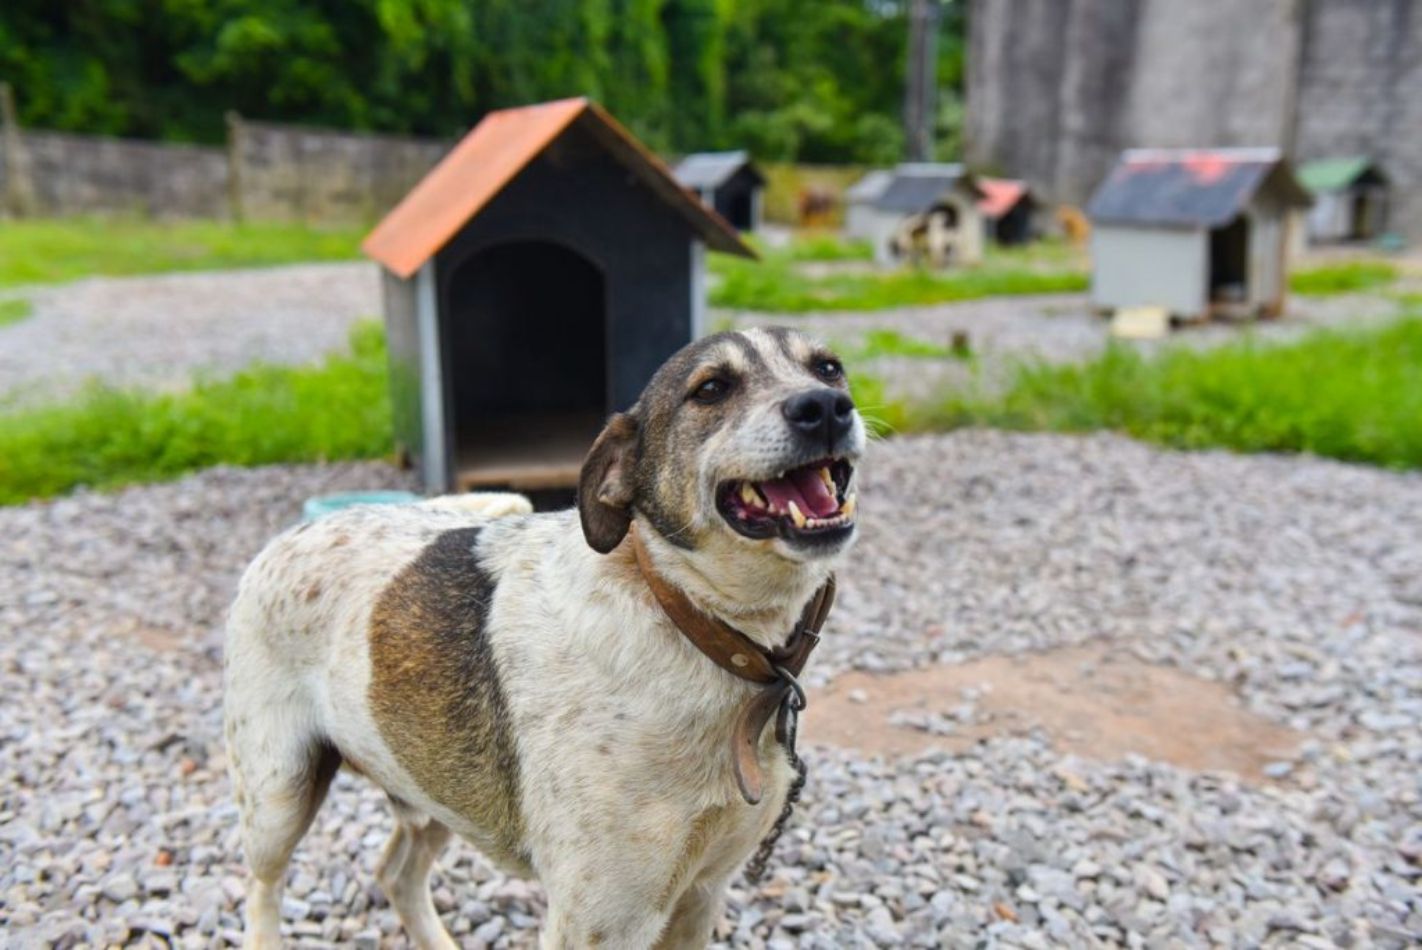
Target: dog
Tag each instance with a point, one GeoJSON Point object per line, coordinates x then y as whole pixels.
{"type": "Point", "coordinates": [513, 678]}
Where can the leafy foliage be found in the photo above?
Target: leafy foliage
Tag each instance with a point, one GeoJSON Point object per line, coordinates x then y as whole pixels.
{"type": "Point", "coordinates": [817, 80]}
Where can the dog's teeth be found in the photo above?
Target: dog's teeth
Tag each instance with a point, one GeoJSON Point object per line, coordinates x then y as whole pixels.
{"type": "Point", "coordinates": [750, 496]}
{"type": "Point", "coordinates": [827, 478]}
{"type": "Point", "coordinates": [847, 509]}
{"type": "Point", "coordinates": [795, 515]}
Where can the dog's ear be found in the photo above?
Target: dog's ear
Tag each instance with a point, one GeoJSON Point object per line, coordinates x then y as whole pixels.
{"type": "Point", "coordinates": [605, 487]}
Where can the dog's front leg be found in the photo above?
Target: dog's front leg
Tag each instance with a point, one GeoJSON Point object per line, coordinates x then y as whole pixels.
{"type": "Point", "coordinates": [695, 917]}
{"type": "Point", "coordinates": [627, 927]}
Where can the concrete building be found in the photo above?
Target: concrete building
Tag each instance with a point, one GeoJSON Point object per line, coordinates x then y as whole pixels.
{"type": "Point", "coordinates": [534, 280]}
{"type": "Point", "coordinates": [728, 182]}
{"type": "Point", "coordinates": [1350, 199]}
{"type": "Point", "coordinates": [1057, 88]}
{"type": "Point", "coordinates": [1197, 232]}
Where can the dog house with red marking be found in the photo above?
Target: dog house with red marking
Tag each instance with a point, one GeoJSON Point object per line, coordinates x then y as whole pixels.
{"type": "Point", "coordinates": [1197, 232]}
{"type": "Point", "coordinates": [534, 280]}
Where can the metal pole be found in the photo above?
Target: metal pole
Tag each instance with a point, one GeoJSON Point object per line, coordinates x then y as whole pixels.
{"type": "Point", "coordinates": [17, 199]}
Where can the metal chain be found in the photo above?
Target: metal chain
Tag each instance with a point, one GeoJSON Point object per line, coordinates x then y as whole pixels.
{"type": "Point", "coordinates": [755, 870]}
{"type": "Point", "coordinates": [794, 703]}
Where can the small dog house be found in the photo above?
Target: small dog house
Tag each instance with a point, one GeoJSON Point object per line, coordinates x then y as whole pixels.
{"type": "Point", "coordinates": [533, 281]}
{"type": "Point", "coordinates": [1350, 199]}
{"type": "Point", "coordinates": [859, 198]}
{"type": "Point", "coordinates": [728, 182]}
{"type": "Point", "coordinates": [1196, 232]}
{"type": "Point", "coordinates": [926, 210]}
{"type": "Point", "coordinates": [1009, 210]}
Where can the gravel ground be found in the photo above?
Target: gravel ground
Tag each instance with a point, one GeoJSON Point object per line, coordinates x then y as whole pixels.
{"type": "Point", "coordinates": [1297, 582]}
{"type": "Point", "coordinates": [160, 331]}
{"type": "Point", "coordinates": [1058, 328]}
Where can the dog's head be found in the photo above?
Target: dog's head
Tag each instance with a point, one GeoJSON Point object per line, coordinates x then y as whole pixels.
{"type": "Point", "coordinates": [747, 437]}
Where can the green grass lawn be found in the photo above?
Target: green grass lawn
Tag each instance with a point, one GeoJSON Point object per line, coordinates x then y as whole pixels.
{"type": "Point", "coordinates": [775, 286]}
{"type": "Point", "coordinates": [337, 410]}
{"type": "Point", "coordinates": [1342, 278]}
{"type": "Point", "coordinates": [50, 251]}
{"type": "Point", "coordinates": [1353, 395]}
{"type": "Point", "coordinates": [14, 310]}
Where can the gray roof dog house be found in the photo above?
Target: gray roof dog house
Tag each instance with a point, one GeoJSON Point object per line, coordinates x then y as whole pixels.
{"type": "Point", "coordinates": [1197, 232]}
{"type": "Point", "coordinates": [859, 198]}
{"type": "Point", "coordinates": [942, 198]}
{"type": "Point", "coordinates": [1350, 199]}
{"type": "Point", "coordinates": [728, 182]}
{"type": "Point", "coordinates": [533, 282]}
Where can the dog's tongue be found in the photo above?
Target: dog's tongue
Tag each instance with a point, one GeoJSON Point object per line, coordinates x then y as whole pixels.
{"type": "Point", "coordinates": [804, 487]}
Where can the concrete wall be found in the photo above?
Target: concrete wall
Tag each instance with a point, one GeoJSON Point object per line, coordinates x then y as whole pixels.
{"type": "Point", "coordinates": [66, 174]}
{"type": "Point", "coordinates": [1056, 88]}
{"type": "Point", "coordinates": [265, 172]}
{"type": "Point", "coordinates": [293, 173]}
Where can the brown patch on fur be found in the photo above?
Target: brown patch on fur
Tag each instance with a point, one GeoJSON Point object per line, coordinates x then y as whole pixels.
{"type": "Point", "coordinates": [313, 592]}
{"type": "Point", "coordinates": [704, 828]}
{"type": "Point", "coordinates": [435, 691]}
{"type": "Point", "coordinates": [340, 540]}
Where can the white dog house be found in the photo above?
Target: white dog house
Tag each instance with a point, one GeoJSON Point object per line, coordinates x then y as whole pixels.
{"type": "Point", "coordinates": [926, 207]}
{"type": "Point", "coordinates": [1197, 232]}
{"type": "Point", "coordinates": [1350, 198]}
{"type": "Point", "coordinates": [859, 198]}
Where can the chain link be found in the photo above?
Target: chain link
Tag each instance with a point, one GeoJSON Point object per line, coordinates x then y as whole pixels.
{"type": "Point", "coordinates": [795, 700]}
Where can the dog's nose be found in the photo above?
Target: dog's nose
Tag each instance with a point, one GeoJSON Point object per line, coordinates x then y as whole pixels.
{"type": "Point", "coordinates": [822, 414]}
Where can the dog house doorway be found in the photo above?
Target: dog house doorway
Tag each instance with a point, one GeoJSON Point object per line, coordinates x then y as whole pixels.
{"type": "Point", "coordinates": [526, 363]}
{"type": "Point", "coordinates": [1229, 262]}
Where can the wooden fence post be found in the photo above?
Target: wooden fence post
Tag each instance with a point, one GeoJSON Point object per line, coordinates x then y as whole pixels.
{"type": "Point", "coordinates": [18, 199]}
{"type": "Point", "coordinates": [235, 149]}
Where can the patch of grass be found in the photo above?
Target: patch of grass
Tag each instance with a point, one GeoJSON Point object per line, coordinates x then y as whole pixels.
{"type": "Point", "coordinates": [1342, 278]}
{"type": "Point", "coordinates": [50, 251]}
{"type": "Point", "coordinates": [773, 285]}
{"type": "Point", "coordinates": [882, 416]}
{"type": "Point", "coordinates": [819, 246]}
{"type": "Point", "coordinates": [14, 310]}
{"type": "Point", "coordinates": [880, 343]}
{"type": "Point", "coordinates": [337, 410]}
{"type": "Point", "coordinates": [1347, 395]}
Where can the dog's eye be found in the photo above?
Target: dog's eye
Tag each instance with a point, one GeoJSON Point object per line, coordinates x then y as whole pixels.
{"type": "Point", "coordinates": [829, 370]}
{"type": "Point", "coordinates": [713, 390]}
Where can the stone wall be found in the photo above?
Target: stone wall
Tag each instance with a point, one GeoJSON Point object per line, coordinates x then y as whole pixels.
{"type": "Point", "coordinates": [1056, 88]}
{"type": "Point", "coordinates": [265, 172]}
{"type": "Point", "coordinates": [291, 173]}
{"type": "Point", "coordinates": [81, 174]}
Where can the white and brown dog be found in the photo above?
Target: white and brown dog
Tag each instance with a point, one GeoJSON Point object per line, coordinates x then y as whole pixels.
{"type": "Point", "coordinates": [516, 682]}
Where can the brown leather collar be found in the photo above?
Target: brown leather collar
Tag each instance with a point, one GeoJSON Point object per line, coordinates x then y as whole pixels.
{"type": "Point", "coordinates": [775, 671]}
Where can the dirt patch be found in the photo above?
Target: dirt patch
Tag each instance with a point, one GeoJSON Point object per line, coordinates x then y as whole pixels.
{"type": "Point", "coordinates": [1093, 701]}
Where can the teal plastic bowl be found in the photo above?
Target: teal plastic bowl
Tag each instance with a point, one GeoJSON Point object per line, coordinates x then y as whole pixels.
{"type": "Point", "coordinates": [323, 505]}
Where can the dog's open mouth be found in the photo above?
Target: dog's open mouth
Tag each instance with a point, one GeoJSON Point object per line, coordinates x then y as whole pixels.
{"type": "Point", "coordinates": [812, 501]}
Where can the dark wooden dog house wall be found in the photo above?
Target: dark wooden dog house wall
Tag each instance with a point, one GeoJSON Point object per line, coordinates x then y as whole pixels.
{"type": "Point", "coordinates": [534, 281]}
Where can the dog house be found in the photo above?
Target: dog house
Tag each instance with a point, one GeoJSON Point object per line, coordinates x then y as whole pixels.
{"type": "Point", "coordinates": [1198, 233]}
{"type": "Point", "coordinates": [926, 210]}
{"type": "Point", "coordinates": [728, 182]}
{"type": "Point", "coordinates": [533, 282]}
{"type": "Point", "coordinates": [859, 198]}
{"type": "Point", "coordinates": [1009, 210]}
{"type": "Point", "coordinates": [1350, 199]}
